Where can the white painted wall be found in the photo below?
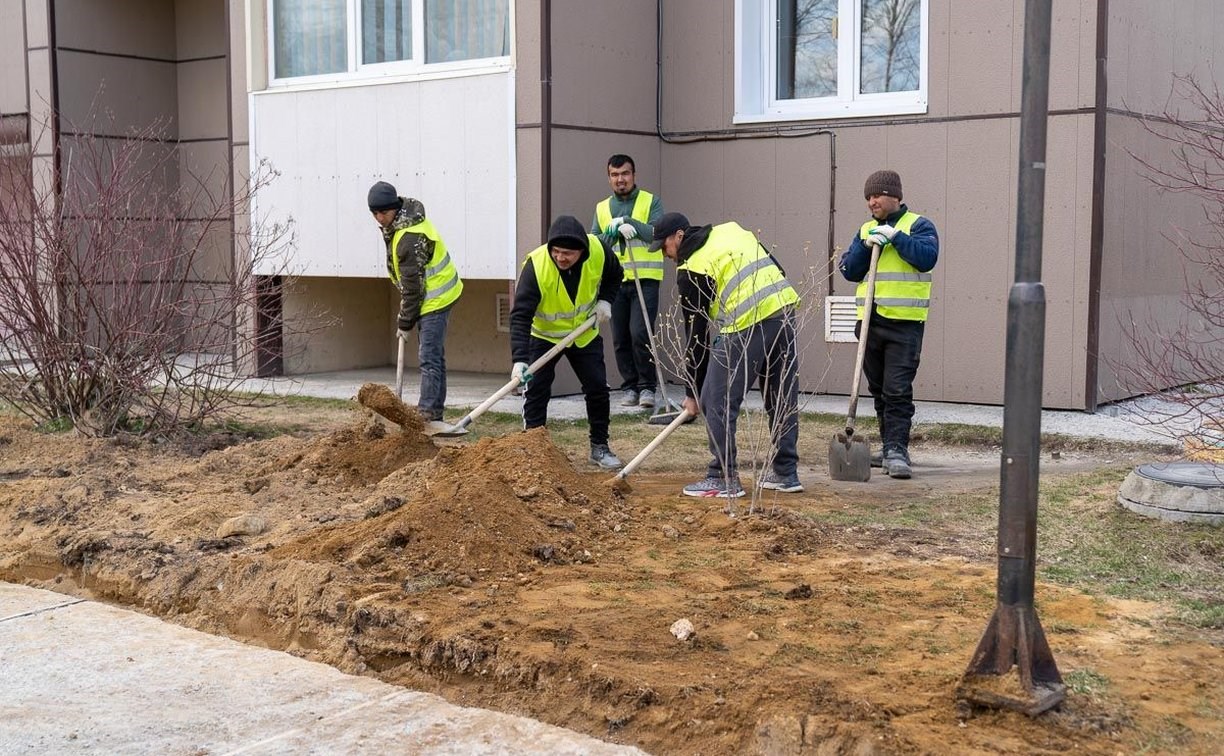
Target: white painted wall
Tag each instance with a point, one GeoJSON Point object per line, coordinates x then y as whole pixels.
{"type": "Point", "coordinates": [449, 142]}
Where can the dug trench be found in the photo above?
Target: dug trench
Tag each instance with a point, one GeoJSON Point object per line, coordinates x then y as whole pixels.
{"type": "Point", "coordinates": [498, 574]}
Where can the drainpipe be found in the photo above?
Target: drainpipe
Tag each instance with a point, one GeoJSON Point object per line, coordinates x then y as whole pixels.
{"type": "Point", "coordinates": [545, 117]}
{"type": "Point", "coordinates": [1096, 244]}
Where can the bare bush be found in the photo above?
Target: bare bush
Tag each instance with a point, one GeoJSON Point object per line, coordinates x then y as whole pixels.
{"type": "Point", "coordinates": [756, 437]}
{"type": "Point", "coordinates": [127, 283]}
{"type": "Point", "coordinates": [1187, 355]}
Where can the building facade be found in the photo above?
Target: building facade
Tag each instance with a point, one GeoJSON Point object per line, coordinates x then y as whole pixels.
{"type": "Point", "coordinates": [500, 114]}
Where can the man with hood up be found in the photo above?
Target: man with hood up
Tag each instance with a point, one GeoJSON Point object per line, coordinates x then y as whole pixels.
{"type": "Point", "coordinates": [572, 276]}
{"type": "Point", "coordinates": [421, 267]}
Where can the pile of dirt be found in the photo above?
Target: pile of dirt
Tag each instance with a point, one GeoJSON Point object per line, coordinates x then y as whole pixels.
{"type": "Point", "coordinates": [500, 506]}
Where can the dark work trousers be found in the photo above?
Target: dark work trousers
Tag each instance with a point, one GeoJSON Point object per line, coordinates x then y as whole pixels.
{"type": "Point", "coordinates": [630, 339]}
{"type": "Point", "coordinates": [764, 354]}
{"type": "Point", "coordinates": [890, 364]}
{"type": "Point", "coordinates": [588, 365]}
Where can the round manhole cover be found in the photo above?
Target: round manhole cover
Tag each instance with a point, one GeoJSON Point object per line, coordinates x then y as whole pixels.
{"type": "Point", "coordinates": [1197, 474]}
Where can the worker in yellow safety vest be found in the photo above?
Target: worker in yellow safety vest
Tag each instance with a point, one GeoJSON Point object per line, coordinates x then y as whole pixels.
{"type": "Point", "coordinates": [728, 283]}
{"type": "Point", "coordinates": [626, 221]}
{"type": "Point", "coordinates": [421, 267]}
{"type": "Point", "coordinates": [565, 281]}
{"type": "Point", "coordinates": [909, 250]}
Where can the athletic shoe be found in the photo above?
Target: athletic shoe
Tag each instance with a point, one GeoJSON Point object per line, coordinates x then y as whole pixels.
{"type": "Point", "coordinates": [711, 487]}
{"type": "Point", "coordinates": [629, 398]}
{"type": "Point", "coordinates": [877, 459]}
{"type": "Point", "coordinates": [647, 399]}
{"type": "Point", "coordinates": [897, 466]}
{"type": "Point", "coordinates": [784, 483]}
{"type": "Point", "coordinates": [603, 456]}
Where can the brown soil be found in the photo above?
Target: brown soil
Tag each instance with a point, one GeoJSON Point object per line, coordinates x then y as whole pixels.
{"type": "Point", "coordinates": [498, 575]}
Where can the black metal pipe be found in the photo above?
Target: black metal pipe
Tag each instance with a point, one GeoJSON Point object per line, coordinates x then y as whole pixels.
{"type": "Point", "coordinates": [545, 117]}
{"type": "Point", "coordinates": [1096, 244]}
{"type": "Point", "coordinates": [1019, 473]}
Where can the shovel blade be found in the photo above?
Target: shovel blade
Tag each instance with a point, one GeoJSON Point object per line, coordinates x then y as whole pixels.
{"type": "Point", "coordinates": [849, 458]}
{"type": "Point", "coordinates": [444, 430]}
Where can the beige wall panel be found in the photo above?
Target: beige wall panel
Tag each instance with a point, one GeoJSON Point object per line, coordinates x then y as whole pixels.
{"type": "Point", "coordinates": [580, 173]}
{"type": "Point", "coordinates": [939, 62]}
{"type": "Point", "coordinates": [37, 25]}
{"type": "Point", "coordinates": [526, 51]}
{"type": "Point", "coordinates": [967, 325]}
{"type": "Point", "coordinates": [131, 27]}
{"type": "Point", "coordinates": [199, 28]}
{"type": "Point", "coordinates": [201, 100]}
{"type": "Point", "coordinates": [528, 223]}
{"type": "Point", "coordinates": [473, 342]}
{"type": "Point", "coordinates": [981, 40]}
{"type": "Point", "coordinates": [39, 67]}
{"type": "Point", "coordinates": [357, 313]}
{"type": "Point", "coordinates": [204, 177]}
{"type": "Point", "coordinates": [238, 71]}
{"type": "Point", "coordinates": [698, 65]}
{"type": "Point", "coordinates": [139, 93]}
{"type": "Point", "coordinates": [212, 259]}
{"type": "Point", "coordinates": [1072, 54]}
{"type": "Point", "coordinates": [13, 85]}
{"type": "Point", "coordinates": [602, 79]}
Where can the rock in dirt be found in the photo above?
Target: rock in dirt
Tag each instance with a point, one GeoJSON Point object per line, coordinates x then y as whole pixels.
{"type": "Point", "coordinates": [799, 592]}
{"type": "Point", "coordinates": [683, 629]}
{"type": "Point", "coordinates": [242, 525]}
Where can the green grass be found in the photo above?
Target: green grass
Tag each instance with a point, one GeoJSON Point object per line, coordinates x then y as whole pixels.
{"type": "Point", "coordinates": [1086, 682]}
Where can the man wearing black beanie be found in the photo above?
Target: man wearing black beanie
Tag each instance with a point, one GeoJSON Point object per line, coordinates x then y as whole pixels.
{"type": "Point", "coordinates": [420, 266]}
{"type": "Point", "coordinates": [909, 250]}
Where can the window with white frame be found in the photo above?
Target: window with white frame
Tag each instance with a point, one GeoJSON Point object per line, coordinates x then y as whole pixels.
{"type": "Point", "coordinates": [330, 39]}
{"type": "Point", "coordinates": [806, 59]}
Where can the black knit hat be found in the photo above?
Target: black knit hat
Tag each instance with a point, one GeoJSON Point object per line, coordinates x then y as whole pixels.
{"type": "Point", "coordinates": [669, 224]}
{"type": "Point", "coordinates": [383, 197]}
{"type": "Point", "coordinates": [887, 183]}
{"type": "Point", "coordinates": [567, 232]}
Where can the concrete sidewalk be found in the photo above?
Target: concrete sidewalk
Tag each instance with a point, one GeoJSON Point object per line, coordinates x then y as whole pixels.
{"type": "Point", "coordinates": [83, 677]}
{"type": "Point", "coordinates": [1140, 420]}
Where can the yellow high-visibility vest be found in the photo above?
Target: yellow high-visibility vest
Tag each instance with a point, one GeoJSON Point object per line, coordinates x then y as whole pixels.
{"type": "Point", "coordinates": [557, 315]}
{"type": "Point", "coordinates": [442, 283]}
{"type": "Point", "coordinates": [749, 286]}
{"type": "Point", "coordinates": [642, 263]}
{"type": "Point", "coordinates": [902, 292]}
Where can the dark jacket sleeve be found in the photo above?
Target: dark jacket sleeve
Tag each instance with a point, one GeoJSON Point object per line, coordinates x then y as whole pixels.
{"type": "Point", "coordinates": [526, 300]}
{"type": "Point", "coordinates": [856, 260]}
{"type": "Point", "coordinates": [610, 282]}
{"type": "Point", "coordinates": [696, 293]}
{"type": "Point", "coordinates": [414, 253]}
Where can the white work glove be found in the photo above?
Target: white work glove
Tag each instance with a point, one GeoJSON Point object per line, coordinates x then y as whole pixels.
{"type": "Point", "coordinates": [878, 240]}
{"type": "Point", "coordinates": [881, 234]}
{"type": "Point", "coordinates": [403, 335]}
{"type": "Point", "coordinates": [613, 227]}
{"type": "Point", "coordinates": [627, 231]}
{"type": "Point", "coordinates": [603, 311]}
{"type": "Point", "coordinates": [519, 373]}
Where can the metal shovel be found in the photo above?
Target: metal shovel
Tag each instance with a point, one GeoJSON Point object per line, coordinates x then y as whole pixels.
{"type": "Point", "coordinates": [460, 428]}
{"type": "Point", "coordinates": [849, 453]}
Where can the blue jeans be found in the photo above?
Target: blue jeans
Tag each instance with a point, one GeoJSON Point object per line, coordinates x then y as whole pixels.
{"type": "Point", "coordinates": [431, 333]}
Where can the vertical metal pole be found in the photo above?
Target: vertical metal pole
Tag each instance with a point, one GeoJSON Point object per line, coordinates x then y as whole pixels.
{"type": "Point", "coordinates": [1014, 637]}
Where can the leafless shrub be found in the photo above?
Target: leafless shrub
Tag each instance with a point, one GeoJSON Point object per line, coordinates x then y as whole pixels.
{"type": "Point", "coordinates": [1187, 355]}
{"type": "Point", "coordinates": [128, 282]}
{"type": "Point", "coordinates": [757, 437]}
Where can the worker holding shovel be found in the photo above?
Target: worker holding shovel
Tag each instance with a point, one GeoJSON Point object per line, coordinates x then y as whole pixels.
{"type": "Point", "coordinates": [728, 282]}
{"type": "Point", "coordinates": [909, 250]}
{"type": "Point", "coordinates": [421, 268]}
{"type": "Point", "coordinates": [626, 220]}
{"type": "Point", "coordinates": [571, 277]}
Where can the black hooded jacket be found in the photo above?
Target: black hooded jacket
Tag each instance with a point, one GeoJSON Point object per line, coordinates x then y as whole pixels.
{"type": "Point", "coordinates": [567, 231]}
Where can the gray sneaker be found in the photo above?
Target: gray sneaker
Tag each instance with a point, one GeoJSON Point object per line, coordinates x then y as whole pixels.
{"type": "Point", "coordinates": [646, 399]}
{"type": "Point", "coordinates": [629, 398]}
{"type": "Point", "coordinates": [877, 459]}
{"type": "Point", "coordinates": [603, 456]}
{"type": "Point", "coordinates": [784, 483]}
{"type": "Point", "coordinates": [897, 466]}
{"type": "Point", "coordinates": [711, 487]}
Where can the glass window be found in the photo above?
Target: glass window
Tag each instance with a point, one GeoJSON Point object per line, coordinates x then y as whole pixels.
{"type": "Point", "coordinates": [466, 29]}
{"type": "Point", "coordinates": [829, 58]}
{"type": "Point", "coordinates": [314, 38]}
{"type": "Point", "coordinates": [386, 30]}
{"type": "Point", "coordinates": [890, 38]}
{"type": "Point", "coordinates": [310, 37]}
